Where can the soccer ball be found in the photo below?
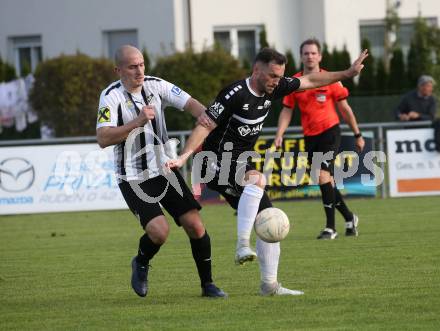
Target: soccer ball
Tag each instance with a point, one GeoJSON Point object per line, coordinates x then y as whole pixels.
{"type": "Point", "coordinates": [272, 225]}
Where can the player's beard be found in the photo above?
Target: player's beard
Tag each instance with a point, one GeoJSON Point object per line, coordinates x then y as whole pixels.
{"type": "Point", "coordinates": [270, 89]}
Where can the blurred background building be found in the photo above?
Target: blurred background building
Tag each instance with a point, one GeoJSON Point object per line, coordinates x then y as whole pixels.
{"type": "Point", "coordinates": [33, 30]}
{"type": "Point", "coordinates": [71, 43]}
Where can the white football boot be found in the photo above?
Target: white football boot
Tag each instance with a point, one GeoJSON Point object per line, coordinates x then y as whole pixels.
{"type": "Point", "coordinates": [244, 254]}
{"type": "Point", "coordinates": [276, 289]}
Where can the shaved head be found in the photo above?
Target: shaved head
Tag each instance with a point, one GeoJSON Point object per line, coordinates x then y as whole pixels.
{"type": "Point", "coordinates": [130, 67]}
{"type": "Point", "coordinates": [124, 52]}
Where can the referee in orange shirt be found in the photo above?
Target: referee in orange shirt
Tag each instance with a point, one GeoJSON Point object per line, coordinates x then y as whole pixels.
{"type": "Point", "coordinates": [322, 133]}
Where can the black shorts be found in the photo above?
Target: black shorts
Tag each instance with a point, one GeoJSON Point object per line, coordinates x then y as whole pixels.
{"type": "Point", "coordinates": [327, 141]}
{"type": "Point", "coordinates": [233, 189]}
{"type": "Point", "coordinates": [175, 204]}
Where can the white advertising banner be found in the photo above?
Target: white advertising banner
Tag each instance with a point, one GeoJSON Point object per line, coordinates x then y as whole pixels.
{"type": "Point", "coordinates": [74, 177]}
{"type": "Point", "coordinates": [413, 163]}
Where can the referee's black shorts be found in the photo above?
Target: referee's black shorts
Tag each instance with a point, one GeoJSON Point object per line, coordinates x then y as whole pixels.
{"type": "Point", "coordinates": [327, 141]}
{"type": "Point", "coordinates": [231, 190]}
{"type": "Point", "coordinates": [175, 204]}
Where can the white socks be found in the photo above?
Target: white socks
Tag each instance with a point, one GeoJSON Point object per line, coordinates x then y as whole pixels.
{"type": "Point", "coordinates": [246, 212]}
{"type": "Point", "coordinates": [268, 256]}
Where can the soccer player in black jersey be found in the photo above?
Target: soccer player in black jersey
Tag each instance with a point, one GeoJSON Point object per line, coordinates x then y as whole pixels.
{"type": "Point", "coordinates": [237, 115]}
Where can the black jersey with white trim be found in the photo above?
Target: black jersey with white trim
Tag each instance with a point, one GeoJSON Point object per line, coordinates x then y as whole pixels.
{"type": "Point", "coordinates": [240, 113]}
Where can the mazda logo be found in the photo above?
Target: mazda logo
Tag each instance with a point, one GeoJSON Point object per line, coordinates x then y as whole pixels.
{"type": "Point", "coordinates": [16, 174]}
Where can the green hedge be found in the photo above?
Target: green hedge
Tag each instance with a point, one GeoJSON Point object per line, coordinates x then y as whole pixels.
{"type": "Point", "coordinates": [7, 72]}
{"type": "Point", "coordinates": [202, 75]}
{"type": "Point", "coordinates": [66, 93]}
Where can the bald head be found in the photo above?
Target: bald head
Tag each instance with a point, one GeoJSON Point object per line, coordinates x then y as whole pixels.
{"type": "Point", "coordinates": [125, 52]}
{"type": "Point", "coordinates": [130, 67]}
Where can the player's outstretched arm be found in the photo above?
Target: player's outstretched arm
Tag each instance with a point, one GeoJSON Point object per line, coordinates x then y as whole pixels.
{"type": "Point", "coordinates": [196, 138]}
{"type": "Point", "coordinates": [317, 79]}
{"type": "Point", "coordinates": [198, 111]}
{"type": "Point", "coordinates": [194, 107]}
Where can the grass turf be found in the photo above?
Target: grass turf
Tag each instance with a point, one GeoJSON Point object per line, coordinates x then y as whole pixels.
{"type": "Point", "coordinates": [71, 271]}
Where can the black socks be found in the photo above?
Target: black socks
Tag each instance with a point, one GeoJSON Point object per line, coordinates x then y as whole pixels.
{"type": "Point", "coordinates": [341, 206]}
{"type": "Point", "coordinates": [328, 200]}
{"type": "Point", "coordinates": [147, 249]}
{"type": "Point", "coordinates": [201, 251]}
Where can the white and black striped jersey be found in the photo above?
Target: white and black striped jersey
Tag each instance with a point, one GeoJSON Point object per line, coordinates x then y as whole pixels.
{"type": "Point", "coordinates": [118, 107]}
{"type": "Point", "coordinates": [240, 113]}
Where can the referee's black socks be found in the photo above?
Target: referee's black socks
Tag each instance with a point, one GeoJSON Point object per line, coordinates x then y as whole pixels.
{"type": "Point", "coordinates": [342, 207]}
{"type": "Point", "coordinates": [147, 249]}
{"type": "Point", "coordinates": [201, 251]}
{"type": "Point", "coordinates": [328, 200]}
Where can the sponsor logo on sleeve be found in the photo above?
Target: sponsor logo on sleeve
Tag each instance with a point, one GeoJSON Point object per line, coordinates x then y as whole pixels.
{"type": "Point", "coordinates": [216, 109]}
{"type": "Point", "coordinates": [176, 90]}
{"type": "Point", "coordinates": [104, 115]}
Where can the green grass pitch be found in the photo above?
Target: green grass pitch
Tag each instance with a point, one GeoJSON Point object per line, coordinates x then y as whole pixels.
{"type": "Point", "coordinates": [71, 271]}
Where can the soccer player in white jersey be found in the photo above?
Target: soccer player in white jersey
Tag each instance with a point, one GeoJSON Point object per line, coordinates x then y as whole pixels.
{"type": "Point", "coordinates": [131, 117]}
{"type": "Point", "coordinates": [237, 116]}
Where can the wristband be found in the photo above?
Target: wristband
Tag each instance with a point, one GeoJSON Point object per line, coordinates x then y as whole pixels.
{"type": "Point", "coordinates": [358, 135]}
